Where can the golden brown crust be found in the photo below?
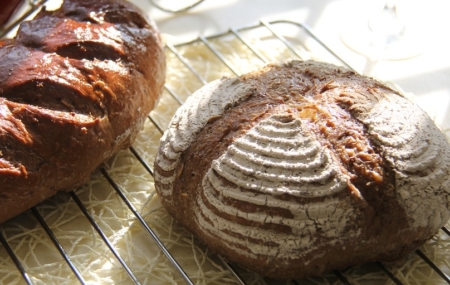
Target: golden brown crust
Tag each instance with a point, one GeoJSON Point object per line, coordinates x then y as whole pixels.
{"type": "Point", "coordinates": [76, 85]}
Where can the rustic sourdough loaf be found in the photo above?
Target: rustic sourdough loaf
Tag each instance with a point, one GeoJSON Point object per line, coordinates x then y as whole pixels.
{"type": "Point", "coordinates": [303, 168]}
{"type": "Point", "coordinates": [76, 85]}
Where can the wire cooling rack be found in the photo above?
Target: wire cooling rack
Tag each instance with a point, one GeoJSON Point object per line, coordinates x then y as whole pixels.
{"type": "Point", "coordinates": [114, 231]}
{"type": "Point", "coordinates": [24, 11]}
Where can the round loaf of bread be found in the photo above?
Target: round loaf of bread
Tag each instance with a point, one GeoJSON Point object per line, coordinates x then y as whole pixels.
{"type": "Point", "coordinates": [76, 86]}
{"type": "Point", "coordinates": [303, 168]}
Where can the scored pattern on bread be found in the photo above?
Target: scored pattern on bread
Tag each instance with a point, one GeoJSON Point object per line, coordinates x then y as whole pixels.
{"type": "Point", "coordinates": [285, 162]}
{"type": "Point", "coordinates": [76, 85]}
{"type": "Point", "coordinates": [418, 153]}
{"type": "Point", "coordinates": [308, 168]}
{"type": "Point", "coordinates": [277, 157]}
{"type": "Point", "coordinates": [198, 111]}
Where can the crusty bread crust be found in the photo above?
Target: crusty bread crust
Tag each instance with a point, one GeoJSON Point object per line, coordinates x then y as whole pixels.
{"type": "Point", "coordinates": [76, 85]}
{"type": "Point", "coordinates": [303, 168]}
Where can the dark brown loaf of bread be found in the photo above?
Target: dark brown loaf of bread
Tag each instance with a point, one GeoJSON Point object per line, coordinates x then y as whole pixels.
{"type": "Point", "coordinates": [303, 168]}
{"type": "Point", "coordinates": [76, 86]}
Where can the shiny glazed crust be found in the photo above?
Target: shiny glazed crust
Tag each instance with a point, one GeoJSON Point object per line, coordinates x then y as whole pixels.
{"type": "Point", "coordinates": [303, 168]}
{"type": "Point", "coordinates": [76, 85]}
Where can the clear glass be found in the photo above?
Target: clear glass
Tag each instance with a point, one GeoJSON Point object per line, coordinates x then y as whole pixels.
{"type": "Point", "coordinates": [175, 6]}
{"type": "Point", "coordinates": [384, 37]}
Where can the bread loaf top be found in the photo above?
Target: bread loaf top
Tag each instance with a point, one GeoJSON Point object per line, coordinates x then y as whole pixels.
{"type": "Point", "coordinates": [296, 162]}
{"type": "Point", "coordinates": [76, 85]}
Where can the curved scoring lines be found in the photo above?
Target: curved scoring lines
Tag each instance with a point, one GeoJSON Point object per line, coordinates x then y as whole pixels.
{"type": "Point", "coordinates": [276, 145]}
{"type": "Point", "coordinates": [271, 243]}
{"type": "Point", "coordinates": [419, 154]}
{"type": "Point", "coordinates": [239, 151]}
{"type": "Point", "coordinates": [260, 217]}
{"type": "Point", "coordinates": [208, 102]}
{"type": "Point", "coordinates": [394, 121]}
{"type": "Point", "coordinates": [265, 241]}
{"type": "Point", "coordinates": [278, 173]}
{"type": "Point", "coordinates": [263, 147]}
{"type": "Point", "coordinates": [331, 215]}
{"type": "Point", "coordinates": [406, 133]}
{"type": "Point", "coordinates": [215, 190]}
{"type": "Point", "coordinates": [281, 126]}
{"type": "Point", "coordinates": [297, 165]}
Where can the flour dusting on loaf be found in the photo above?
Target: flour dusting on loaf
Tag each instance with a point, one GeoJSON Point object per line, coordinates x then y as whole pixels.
{"type": "Point", "coordinates": [210, 103]}
{"type": "Point", "coordinates": [419, 154]}
{"type": "Point", "coordinates": [285, 162]}
{"type": "Point", "coordinates": [304, 167]}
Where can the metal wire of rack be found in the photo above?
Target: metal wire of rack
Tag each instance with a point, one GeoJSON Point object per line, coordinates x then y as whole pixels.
{"type": "Point", "coordinates": [12, 241]}
{"type": "Point", "coordinates": [30, 7]}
